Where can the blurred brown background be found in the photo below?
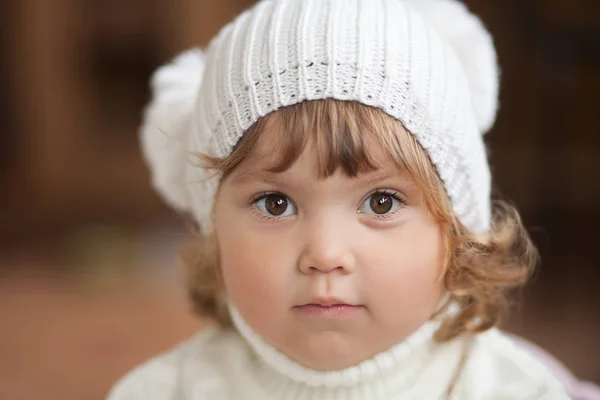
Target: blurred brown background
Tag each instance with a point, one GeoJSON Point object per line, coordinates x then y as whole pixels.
{"type": "Point", "coordinates": [89, 286]}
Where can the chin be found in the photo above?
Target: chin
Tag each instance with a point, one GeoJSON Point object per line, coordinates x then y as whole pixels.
{"type": "Point", "coordinates": [328, 352]}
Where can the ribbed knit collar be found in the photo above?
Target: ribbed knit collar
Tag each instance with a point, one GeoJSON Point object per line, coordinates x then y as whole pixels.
{"type": "Point", "coordinates": [384, 374]}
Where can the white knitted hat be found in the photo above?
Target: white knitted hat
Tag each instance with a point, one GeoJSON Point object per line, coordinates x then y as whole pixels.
{"type": "Point", "coordinates": [429, 63]}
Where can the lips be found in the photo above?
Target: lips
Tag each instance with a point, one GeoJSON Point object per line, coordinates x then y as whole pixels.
{"type": "Point", "coordinates": [329, 307]}
{"type": "Point", "coordinates": [329, 302]}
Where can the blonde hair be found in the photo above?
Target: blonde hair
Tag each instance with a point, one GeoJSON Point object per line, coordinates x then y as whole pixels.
{"type": "Point", "coordinates": [478, 269]}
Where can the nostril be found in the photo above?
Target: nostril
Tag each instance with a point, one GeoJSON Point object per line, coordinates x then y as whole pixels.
{"type": "Point", "coordinates": [325, 269]}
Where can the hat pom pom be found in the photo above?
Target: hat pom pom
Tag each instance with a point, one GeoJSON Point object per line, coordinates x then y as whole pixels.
{"type": "Point", "coordinates": [474, 46]}
{"type": "Point", "coordinates": [167, 123]}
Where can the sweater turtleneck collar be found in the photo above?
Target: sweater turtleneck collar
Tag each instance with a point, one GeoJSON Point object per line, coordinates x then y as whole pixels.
{"type": "Point", "coordinates": [385, 373]}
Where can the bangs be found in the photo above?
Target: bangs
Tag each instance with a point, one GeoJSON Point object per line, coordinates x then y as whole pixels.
{"type": "Point", "coordinates": [345, 135]}
{"type": "Point", "coordinates": [342, 134]}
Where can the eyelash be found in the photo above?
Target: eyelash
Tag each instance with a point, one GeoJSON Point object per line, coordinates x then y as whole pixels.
{"type": "Point", "coordinates": [392, 193]}
{"type": "Point", "coordinates": [382, 217]}
{"type": "Point", "coordinates": [258, 197]}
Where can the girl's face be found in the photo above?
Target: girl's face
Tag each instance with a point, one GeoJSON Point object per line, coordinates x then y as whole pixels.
{"type": "Point", "coordinates": [329, 271]}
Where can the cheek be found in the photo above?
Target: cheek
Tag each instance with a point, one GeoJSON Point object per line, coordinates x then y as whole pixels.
{"type": "Point", "coordinates": [405, 272]}
{"type": "Point", "coordinates": [255, 267]}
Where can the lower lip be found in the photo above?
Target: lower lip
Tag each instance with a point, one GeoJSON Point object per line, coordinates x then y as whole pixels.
{"type": "Point", "coordinates": [334, 310]}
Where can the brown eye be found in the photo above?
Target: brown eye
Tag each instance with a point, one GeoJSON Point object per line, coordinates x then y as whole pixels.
{"type": "Point", "coordinates": [381, 203]}
{"type": "Point", "coordinates": [275, 205]}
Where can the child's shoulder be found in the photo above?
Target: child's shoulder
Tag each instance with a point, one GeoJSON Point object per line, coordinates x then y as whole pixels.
{"type": "Point", "coordinates": [498, 368]}
{"type": "Point", "coordinates": [167, 376]}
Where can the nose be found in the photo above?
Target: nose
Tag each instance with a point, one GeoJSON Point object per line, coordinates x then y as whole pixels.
{"type": "Point", "coordinates": [326, 248]}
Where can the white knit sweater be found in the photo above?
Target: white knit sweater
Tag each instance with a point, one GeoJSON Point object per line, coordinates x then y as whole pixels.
{"type": "Point", "coordinates": [226, 365]}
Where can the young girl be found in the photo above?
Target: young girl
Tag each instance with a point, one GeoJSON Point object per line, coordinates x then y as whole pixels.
{"type": "Point", "coordinates": [331, 154]}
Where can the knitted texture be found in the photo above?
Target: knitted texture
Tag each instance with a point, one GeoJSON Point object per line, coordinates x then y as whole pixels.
{"type": "Point", "coordinates": [403, 362]}
{"type": "Point", "coordinates": [428, 63]}
{"type": "Point", "coordinates": [219, 365]}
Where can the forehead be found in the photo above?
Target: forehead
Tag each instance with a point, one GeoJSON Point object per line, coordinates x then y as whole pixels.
{"type": "Point", "coordinates": [268, 155]}
{"type": "Point", "coordinates": [331, 136]}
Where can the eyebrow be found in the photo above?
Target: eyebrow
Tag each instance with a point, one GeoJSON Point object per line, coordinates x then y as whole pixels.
{"type": "Point", "coordinates": [378, 177]}
{"type": "Point", "coordinates": [264, 176]}
{"type": "Point", "coordinates": [246, 176]}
